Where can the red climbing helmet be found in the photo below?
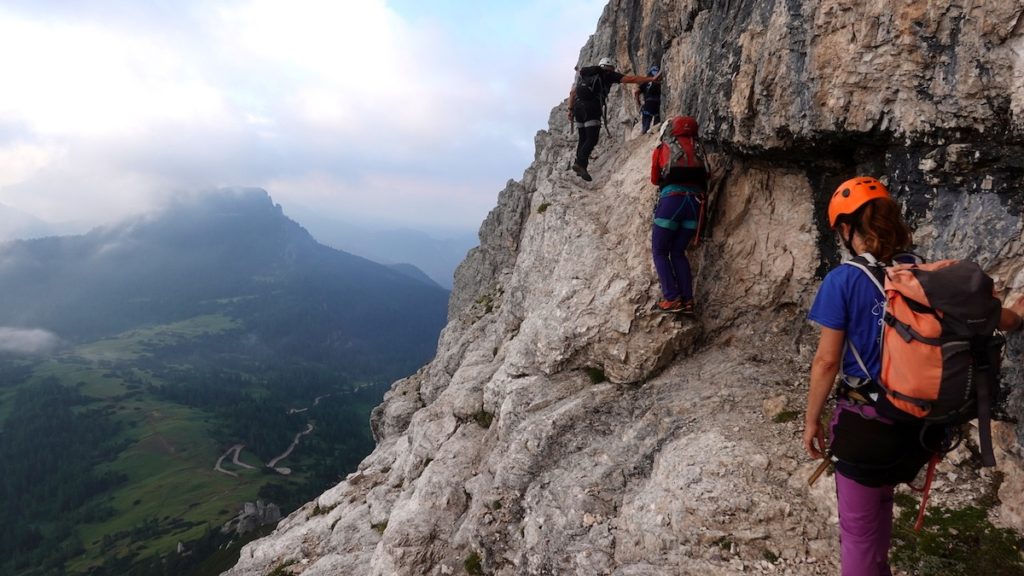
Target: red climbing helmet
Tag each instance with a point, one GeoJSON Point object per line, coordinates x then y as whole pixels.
{"type": "Point", "coordinates": [684, 126]}
{"type": "Point", "coordinates": [853, 194]}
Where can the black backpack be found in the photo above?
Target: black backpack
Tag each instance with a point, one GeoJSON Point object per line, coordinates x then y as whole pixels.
{"type": "Point", "coordinates": [590, 86]}
{"type": "Point", "coordinates": [651, 91]}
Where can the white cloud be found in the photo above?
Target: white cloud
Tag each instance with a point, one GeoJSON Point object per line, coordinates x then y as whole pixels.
{"type": "Point", "coordinates": [323, 38]}
{"type": "Point", "coordinates": [19, 160]}
{"type": "Point", "coordinates": [27, 340]}
{"type": "Point", "coordinates": [321, 102]}
{"type": "Point", "coordinates": [350, 67]}
{"type": "Point", "coordinates": [82, 80]}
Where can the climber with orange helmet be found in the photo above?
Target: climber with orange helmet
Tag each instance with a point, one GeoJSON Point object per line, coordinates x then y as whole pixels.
{"type": "Point", "coordinates": [587, 106]}
{"type": "Point", "coordinates": [871, 452]}
{"type": "Point", "coordinates": [679, 171]}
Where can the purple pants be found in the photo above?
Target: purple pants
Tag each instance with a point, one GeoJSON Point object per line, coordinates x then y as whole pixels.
{"type": "Point", "coordinates": [669, 247]}
{"type": "Point", "coordinates": [865, 519]}
{"type": "Point", "coordinates": [865, 528]}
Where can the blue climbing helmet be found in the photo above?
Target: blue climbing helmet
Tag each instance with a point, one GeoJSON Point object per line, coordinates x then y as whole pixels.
{"type": "Point", "coordinates": [653, 70]}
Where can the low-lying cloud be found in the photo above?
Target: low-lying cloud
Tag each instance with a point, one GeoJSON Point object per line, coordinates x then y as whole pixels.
{"type": "Point", "coordinates": [27, 340]}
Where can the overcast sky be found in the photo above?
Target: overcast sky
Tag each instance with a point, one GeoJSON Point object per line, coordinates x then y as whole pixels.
{"type": "Point", "coordinates": [410, 112]}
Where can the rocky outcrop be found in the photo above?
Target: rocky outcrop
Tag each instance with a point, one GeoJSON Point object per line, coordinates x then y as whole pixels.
{"type": "Point", "coordinates": [565, 428]}
{"type": "Point", "coordinates": [252, 516]}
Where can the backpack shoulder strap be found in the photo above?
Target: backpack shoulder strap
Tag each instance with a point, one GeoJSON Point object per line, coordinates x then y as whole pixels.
{"type": "Point", "coordinates": [596, 83]}
{"type": "Point", "coordinates": [590, 81]}
{"type": "Point", "coordinates": [856, 356]}
{"type": "Point", "coordinates": [874, 269]}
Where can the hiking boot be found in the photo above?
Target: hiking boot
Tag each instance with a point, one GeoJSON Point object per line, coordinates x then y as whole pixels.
{"type": "Point", "coordinates": [687, 308]}
{"type": "Point", "coordinates": [581, 172]}
{"type": "Point", "coordinates": [670, 305]}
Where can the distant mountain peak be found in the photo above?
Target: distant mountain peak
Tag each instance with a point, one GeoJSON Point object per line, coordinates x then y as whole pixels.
{"type": "Point", "coordinates": [15, 223]}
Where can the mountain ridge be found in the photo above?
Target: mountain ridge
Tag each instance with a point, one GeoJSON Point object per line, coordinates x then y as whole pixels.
{"type": "Point", "coordinates": [200, 251]}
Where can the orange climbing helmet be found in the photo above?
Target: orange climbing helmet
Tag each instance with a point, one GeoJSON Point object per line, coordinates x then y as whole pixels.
{"type": "Point", "coordinates": [853, 194]}
{"type": "Point", "coordinates": [684, 126]}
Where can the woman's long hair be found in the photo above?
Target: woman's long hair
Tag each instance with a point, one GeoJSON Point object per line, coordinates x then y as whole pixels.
{"type": "Point", "coordinates": [882, 228]}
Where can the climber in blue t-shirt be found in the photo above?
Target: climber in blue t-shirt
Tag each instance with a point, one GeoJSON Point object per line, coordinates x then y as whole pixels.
{"type": "Point", "coordinates": [871, 453]}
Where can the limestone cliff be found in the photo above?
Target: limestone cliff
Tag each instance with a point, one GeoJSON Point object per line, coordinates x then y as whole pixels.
{"type": "Point", "coordinates": [565, 429]}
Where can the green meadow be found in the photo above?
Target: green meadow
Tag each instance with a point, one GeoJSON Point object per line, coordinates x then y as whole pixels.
{"type": "Point", "coordinates": [170, 492]}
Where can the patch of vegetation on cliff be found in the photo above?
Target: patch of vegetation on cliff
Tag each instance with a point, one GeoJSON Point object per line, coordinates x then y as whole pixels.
{"type": "Point", "coordinates": [473, 565]}
{"type": "Point", "coordinates": [282, 569]}
{"type": "Point", "coordinates": [483, 418]}
{"type": "Point", "coordinates": [786, 416]}
{"type": "Point", "coordinates": [954, 542]}
{"type": "Point", "coordinates": [595, 374]}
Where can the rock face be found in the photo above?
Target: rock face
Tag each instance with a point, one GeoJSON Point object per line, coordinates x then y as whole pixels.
{"type": "Point", "coordinates": [565, 428]}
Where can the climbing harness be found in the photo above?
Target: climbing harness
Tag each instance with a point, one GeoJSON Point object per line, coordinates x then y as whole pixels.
{"type": "Point", "coordinates": [691, 196]}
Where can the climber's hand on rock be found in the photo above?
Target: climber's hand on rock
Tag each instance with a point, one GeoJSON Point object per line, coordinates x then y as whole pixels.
{"type": "Point", "coordinates": [1018, 306]}
{"type": "Point", "coordinates": [1011, 318]}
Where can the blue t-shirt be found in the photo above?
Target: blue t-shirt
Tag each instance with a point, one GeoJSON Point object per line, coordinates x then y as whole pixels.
{"type": "Point", "coordinates": [850, 301]}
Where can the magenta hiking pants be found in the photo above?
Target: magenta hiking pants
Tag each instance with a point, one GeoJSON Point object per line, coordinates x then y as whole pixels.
{"type": "Point", "coordinates": [865, 519]}
{"type": "Point", "coordinates": [865, 528]}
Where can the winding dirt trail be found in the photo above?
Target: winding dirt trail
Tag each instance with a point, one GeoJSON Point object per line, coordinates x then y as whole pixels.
{"type": "Point", "coordinates": [295, 442]}
{"type": "Point", "coordinates": [300, 410]}
{"type": "Point", "coordinates": [236, 450]}
{"type": "Point", "coordinates": [238, 453]}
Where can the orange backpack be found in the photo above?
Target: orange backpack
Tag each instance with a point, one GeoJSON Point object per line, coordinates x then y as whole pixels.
{"type": "Point", "coordinates": [941, 352]}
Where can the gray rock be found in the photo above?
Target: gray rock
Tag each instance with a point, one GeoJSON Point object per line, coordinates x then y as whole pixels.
{"type": "Point", "coordinates": [253, 516]}
{"type": "Point", "coordinates": [565, 428]}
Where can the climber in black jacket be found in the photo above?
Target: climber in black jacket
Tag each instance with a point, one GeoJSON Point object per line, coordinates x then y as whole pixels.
{"type": "Point", "coordinates": [586, 106]}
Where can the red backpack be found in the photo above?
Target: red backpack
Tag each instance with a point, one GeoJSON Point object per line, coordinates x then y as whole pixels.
{"type": "Point", "coordinates": [941, 352]}
{"type": "Point", "coordinates": [679, 152]}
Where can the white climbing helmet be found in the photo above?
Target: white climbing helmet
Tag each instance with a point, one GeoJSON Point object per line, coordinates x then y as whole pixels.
{"type": "Point", "coordinates": [606, 62]}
